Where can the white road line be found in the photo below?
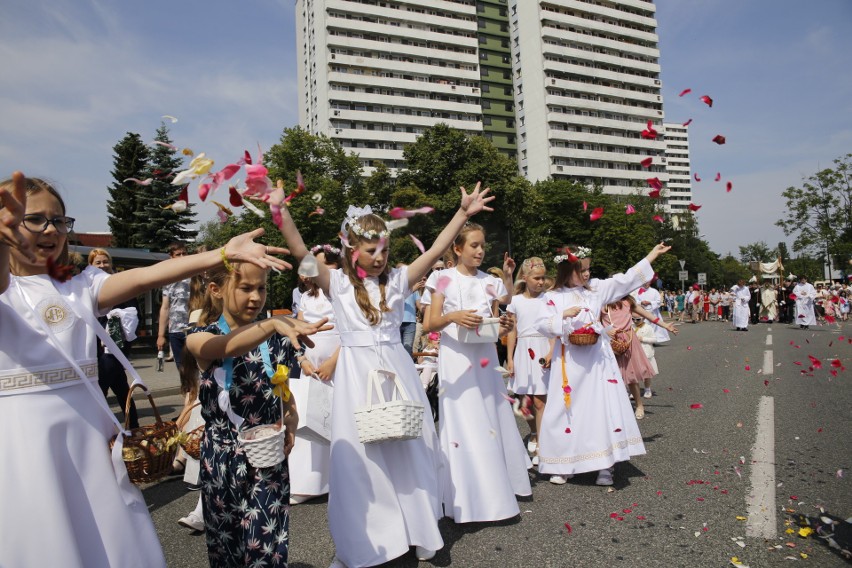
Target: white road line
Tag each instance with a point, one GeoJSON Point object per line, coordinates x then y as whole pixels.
{"type": "Point", "coordinates": [768, 368]}
{"type": "Point", "coordinates": [761, 499]}
{"type": "Point", "coordinates": [768, 329]}
{"type": "Point", "coordinates": [768, 340]}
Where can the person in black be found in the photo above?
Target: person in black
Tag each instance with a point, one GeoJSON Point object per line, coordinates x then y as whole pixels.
{"type": "Point", "coordinates": [111, 375]}
{"type": "Point", "coordinates": [788, 307]}
{"type": "Point", "coordinates": [754, 303]}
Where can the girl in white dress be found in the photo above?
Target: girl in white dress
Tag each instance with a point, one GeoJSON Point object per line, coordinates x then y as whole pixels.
{"type": "Point", "coordinates": [57, 478]}
{"type": "Point", "coordinates": [529, 351]}
{"type": "Point", "coordinates": [309, 460]}
{"type": "Point", "coordinates": [479, 438]}
{"type": "Point", "coordinates": [383, 497]}
{"type": "Point", "coordinates": [588, 422]}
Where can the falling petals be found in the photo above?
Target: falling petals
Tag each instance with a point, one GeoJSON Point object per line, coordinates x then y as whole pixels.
{"type": "Point", "coordinates": [694, 207]}
{"type": "Point", "coordinates": [360, 272]}
{"type": "Point", "coordinates": [748, 367]}
{"type": "Point", "coordinates": [483, 362]}
{"type": "Point", "coordinates": [696, 177]}
{"type": "Point", "coordinates": [395, 224]}
{"type": "Point", "coordinates": [654, 194]}
{"type": "Point", "coordinates": [729, 186]}
{"type": "Point", "coordinates": [706, 100]}
{"type": "Point", "coordinates": [251, 207]}
{"type": "Point", "coordinates": [816, 363]}
{"type": "Point", "coordinates": [726, 391]}
{"type": "Point", "coordinates": [613, 381]}
{"type": "Point", "coordinates": [630, 210]}
{"type": "Point", "coordinates": [687, 123]}
{"type": "Point", "coordinates": [596, 214]}
{"type": "Point", "coordinates": [223, 213]}
{"type": "Point", "coordinates": [204, 191]}
{"type": "Point", "coordinates": [685, 92]}
{"type": "Point", "coordinates": [646, 163]}
{"type": "Point", "coordinates": [696, 406]}
{"type": "Point", "coordinates": [59, 272]}
{"type": "Point", "coordinates": [173, 119]}
{"type": "Point", "coordinates": [585, 206]}
{"type": "Point", "coordinates": [655, 183]}
{"type": "Point", "coordinates": [617, 430]}
{"type": "Point", "coordinates": [649, 133]}
{"type": "Point", "coordinates": [164, 145]}
{"type": "Point", "coordinates": [418, 244]}
{"type": "Point", "coordinates": [658, 219]}
{"type": "Point", "coordinates": [718, 176]}
{"type": "Point", "coordinates": [568, 528]}
{"type": "Point", "coordinates": [300, 183]}
{"type": "Point", "coordinates": [836, 363]}
{"type": "Point", "coordinates": [140, 181]}
{"type": "Point", "coordinates": [317, 211]}
{"type": "Point", "coordinates": [719, 139]}
{"type": "Point", "coordinates": [400, 213]}
{"type": "Point", "coordinates": [178, 206]}
{"type": "Point", "coordinates": [442, 283]}
{"type": "Point", "coordinates": [532, 353]}
{"type": "Point", "coordinates": [567, 430]}
{"type": "Point", "coordinates": [234, 197]}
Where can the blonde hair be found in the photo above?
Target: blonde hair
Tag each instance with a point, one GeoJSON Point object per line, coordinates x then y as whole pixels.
{"type": "Point", "coordinates": [527, 266]}
{"type": "Point", "coordinates": [366, 223]}
{"type": "Point", "coordinates": [96, 252]}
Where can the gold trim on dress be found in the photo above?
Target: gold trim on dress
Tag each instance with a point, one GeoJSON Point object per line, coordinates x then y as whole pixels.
{"type": "Point", "coordinates": [26, 379]}
{"type": "Point", "coordinates": [595, 455]}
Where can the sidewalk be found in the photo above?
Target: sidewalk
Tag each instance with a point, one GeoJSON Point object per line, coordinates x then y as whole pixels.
{"type": "Point", "coordinates": [164, 388]}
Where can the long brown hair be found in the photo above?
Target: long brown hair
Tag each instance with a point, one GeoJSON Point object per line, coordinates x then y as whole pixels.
{"type": "Point", "coordinates": [566, 268]}
{"type": "Point", "coordinates": [461, 238]}
{"type": "Point", "coordinates": [375, 223]}
{"type": "Point", "coordinates": [33, 185]}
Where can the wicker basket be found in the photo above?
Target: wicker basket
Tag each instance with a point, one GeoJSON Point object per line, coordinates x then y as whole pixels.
{"type": "Point", "coordinates": [149, 450]}
{"type": "Point", "coordinates": [582, 338]}
{"type": "Point", "coordinates": [191, 442]}
{"type": "Point", "coordinates": [388, 420]}
{"type": "Point", "coordinates": [264, 445]}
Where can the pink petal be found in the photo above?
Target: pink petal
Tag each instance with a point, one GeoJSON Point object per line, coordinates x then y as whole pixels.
{"type": "Point", "coordinates": [223, 217]}
{"type": "Point", "coordinates": [418, 244]}
{"type": "Point", "coordinates": [654, 194]}
{"type": "Point", "coordinates": [551, 303]}
{"type": "Point", "coordinates": [483, 362]}
{"type": "Point", "coordinates": [567, 430]}
{"type": "Point", "coordinates": [696, 177]}
{"type": "Point", "coordinates": [693, 207]}
{"type": "Point", "coordinates": [748, 367]}
{"type": "Point", "coordinates": [658, 219]}
{"type": "Point", "coordinates": [400, 213]}
{"type": "Point", "coordinates": [300, 183]}
{"type": "Point", "coordinates": [139, 181]}
{"type": "Point", "coordinates": [646, 163]}
{"type": "Point", "coordinates": [655, 183]}
{"type": "Point", "coordinates": [726, 391]}
{"type": "Point", "coordinates": [718, 176]}
{"type": "Point", "coordinates": [585, 206]}
{"type": "Point", "coordinates": [355, 254]}
{"type": "Point", "coordinates": [360, 272]}
{"type": "Point", "coordinates": [630, 210]}
{"type": "Point", "coordinates": [696, 406]}
{"type": "Point", "coordinates": [234, 197]}
{"type": "Point", "coordinates": [596, 214]}
{"type": "Point", "coordinates": [613, 381]}
{"type": "Point", "coordinates": [707, 100]}
{"type": "Point", "coordinates": [685, 92]}
{"type": "Point", "coordinates": [687, 123]}
{"type": "Point", "coordinates": [442, 283]}
{"type": "Point", "coordinates": [203, 191]}
{"type": "Point", "coordinates": [729, 186]}
{"type": "Point", "coordinates": [165, 145]}
{"type": "Point", "coordinates": [380, 246]}
{"type": "Point", "coordinates": [568, 527]}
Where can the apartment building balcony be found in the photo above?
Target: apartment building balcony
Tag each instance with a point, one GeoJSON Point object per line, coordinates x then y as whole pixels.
{"type": "Point", "coordinates": [390, 13]}
{"type": "Point", "coordinates": [370, 153]}
{"type": "Point", "coordinates": [440, 86]}
{"type": "Point", "coordinates": [376, 99]}
{"type": "Point", "coordinates": [375, 134]}
{"type": "Point", "coordinates": [390, 49]}
{"type": "Point", "coordinates": [372, 67]}
{"type": "Point", "coordinates": [635, 125]}
{"type": "Point", "coordinates": [605, 12]}
{"type": "Point", "coordinates": [653, 98]}
{"type": "Point", "coordinates": [579, 103]}
{"type": "Point", "coordinates": [389, 31]}
{"type": "Point", "coordinates": [584, 55]}
{"type": "Point", "coordinates": [602, 139]}
{"type": "Point", "coordinates": [577, 22]}
{"type": "Point", "coordinates": [632, 177]}
{"type": "Point", "coordinates": [588, 39]}
{"type": "Point", "coordinates": [597, 73]}
{"type": "Point", "coordinates": [402, 120]}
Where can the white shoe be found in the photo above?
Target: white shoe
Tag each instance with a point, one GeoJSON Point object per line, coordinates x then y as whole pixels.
{"type": "Point", "coordinates": [192, 521]}
{"type": "Point", "coordinates": [532, 446]}
{"type": "Point", "coordinates": [559, 479]}
{"type": "Point", "coordinates": [535, 460]}
{"type": "Point", "coordinates": [297, 499]}
{"type": "Point", "coordinates": [336, 563]}
{"type": "Point", "coordinates": [647, 393]}
{"type": "Point", "coordinates": [604, 477]}
{"type": "Point", "coordinates": [423, 553]}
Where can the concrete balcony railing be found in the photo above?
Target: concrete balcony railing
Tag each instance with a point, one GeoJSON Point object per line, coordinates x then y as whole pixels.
{"type": "Point", "coordinates": [581, 38]}
{"type": "Point", "coordinates": [585, 23]}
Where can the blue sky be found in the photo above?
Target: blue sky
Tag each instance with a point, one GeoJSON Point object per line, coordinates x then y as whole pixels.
{"type": "Point", "coordinates": [76, 75]}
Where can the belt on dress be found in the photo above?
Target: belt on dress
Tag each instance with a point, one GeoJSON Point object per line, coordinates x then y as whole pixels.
{"type": "Point", "coordinates": [531, 335]}
{"type": "Point", "coordinates": [19, 381]}
{"type": "Point", "coordinates": [369, 338]}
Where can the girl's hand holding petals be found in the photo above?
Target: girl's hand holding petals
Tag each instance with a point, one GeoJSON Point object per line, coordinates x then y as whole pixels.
{"type": "Point", "coordinates": [475, 201]}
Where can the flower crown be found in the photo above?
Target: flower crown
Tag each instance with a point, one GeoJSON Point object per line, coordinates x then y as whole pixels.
{"type": "Point", "coordinates": [353, 215]}
{"type": "Point", "coordinates": [327, 249]}
{"type": "Point", "coordinates": [581, 252]}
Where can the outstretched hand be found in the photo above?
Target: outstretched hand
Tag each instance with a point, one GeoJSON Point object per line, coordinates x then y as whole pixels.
{"type": "Point", "coordinates": [475, 201]}
{"type": "Point", "coordinates": [657, 251]}
{"type": "Point", "coordinates": [242, 248]}
{"type": "Point", "coordinates": [14, 206]}
{"type": "Point", "coordinates": [508, 264]}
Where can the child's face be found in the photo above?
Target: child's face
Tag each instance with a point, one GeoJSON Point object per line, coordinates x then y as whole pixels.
{"type": "Point", "coordinates": [248, 295]}
{"type": "Point", "coordinates": [472, 251]}
{"type": "Point", "coordinates": [372, 263]}
{"type": "Point", "coordinates": [535, 280]}
{"type": "Point", "coordinates": [48, 244]}
{"type": "Point", "coordinates": [583, 277]}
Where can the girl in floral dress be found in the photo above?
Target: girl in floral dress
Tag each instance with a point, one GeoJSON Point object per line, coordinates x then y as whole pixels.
{"type": "Point", "coordinates": [246, 509]}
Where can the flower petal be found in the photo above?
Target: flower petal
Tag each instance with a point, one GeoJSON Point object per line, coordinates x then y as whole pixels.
{"type": "Point", "coordinates": [687, 123]}
{"type": "Point", "coordinates": [654, 194]}
{"type": "Point", "coordinates": [718, 176]}
{"type": "Point", "coordinates": [729, 186]}
{"type": "Point", "coordinates": [400, 213]}
{"type": "Point", "coordinates": [418, 244]}
{"type": "Point", "coordinates": [696, 177]}
{"type": "Point", "coordinates": [694, 207]}
{"type": "Point", "coordinates": [483, 362]}
{"type": "Point", "coordinates": [696, 406]}
{"type": "Point", "coordinates": [719, 139]}
{"type": "Point", "coordinates": [630, 210]}
{"type": "Point", "coordinates": [658, 219]}
{"type": "Point", "coordinates": [140, 181]}
{"type": "Point", "coordinates": [685, 92]}
{"type": "Point", "coordinates": [646, 163]}
{"type": "Point", "coordinates": [596, 214]}
{"type": "Point", "coordinates": [655, 183]}
{"type": "Point", "coordinates": [707, 100]}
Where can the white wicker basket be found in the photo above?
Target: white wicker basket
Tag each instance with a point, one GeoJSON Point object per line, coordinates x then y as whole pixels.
{"type": "Point", "coordinates": [264, 445]}
{"type": "Point", "coordinates": [397, 419]}
{"type": "Point", "coordinates": [486, 332]}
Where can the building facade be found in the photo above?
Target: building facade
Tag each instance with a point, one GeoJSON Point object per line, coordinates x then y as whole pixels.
{"type": "Point", "coordinates": [564, 86]}
{"type": "Point", "coordinates": [676, 161]}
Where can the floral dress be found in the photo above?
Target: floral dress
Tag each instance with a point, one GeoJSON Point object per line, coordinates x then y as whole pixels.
{"type": "Point", "coordinates": [246, 510]}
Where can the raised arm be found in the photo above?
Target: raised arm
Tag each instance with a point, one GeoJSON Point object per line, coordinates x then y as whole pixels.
{"type": "Point", "coordinates": [130, 283]}
{"type": "Point", "coordinates": [298, 249]}
{"type": "Point", "coordinates": [13, 206]}
{"type": "Point", "coordinates": [471, 204]}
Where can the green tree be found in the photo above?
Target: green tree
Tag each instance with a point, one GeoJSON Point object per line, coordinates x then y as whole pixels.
{"type": "Point", "coordinates": [819, 212]}
{"type": "Point", "coordinates": [732, 270]}
{"type": "Point", "coordinates": [157, 225]}
{"type": "Point", "coordinates": [759, 252]}
{"type": "Point", "coordinates": [130, 161]}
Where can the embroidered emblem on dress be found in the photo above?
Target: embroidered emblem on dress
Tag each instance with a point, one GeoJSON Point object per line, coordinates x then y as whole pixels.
{"type": "Point", "coordinates": [56, 313]}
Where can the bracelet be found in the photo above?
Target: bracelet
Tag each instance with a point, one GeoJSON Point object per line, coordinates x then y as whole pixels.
{"type": "Point", "coordinates": [228, 266]}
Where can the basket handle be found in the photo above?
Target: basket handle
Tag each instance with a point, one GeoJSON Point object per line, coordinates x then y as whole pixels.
{"type": "Point", "coordinates": [373, 381]}
{"type": "Point", "coordinates": [183, 419]}
{"type": "Point", "coordinates": [157, 417]}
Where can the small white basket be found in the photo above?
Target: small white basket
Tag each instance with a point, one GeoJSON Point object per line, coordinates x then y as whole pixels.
{"type": "Point", "coordinates": [264, 445]}
{"type": "Point", "coordinates": [396, 419]}
{"type": "Point", "coordinates": [486, 332]}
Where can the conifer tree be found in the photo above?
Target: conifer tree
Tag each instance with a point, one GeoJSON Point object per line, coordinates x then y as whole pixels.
{"type": "Point", "coordinates": [157, 225]}
{"type": "Point", "coordinates": [130, 161]}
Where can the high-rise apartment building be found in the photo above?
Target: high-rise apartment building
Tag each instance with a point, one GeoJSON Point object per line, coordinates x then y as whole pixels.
{"type": "Point", "coordinates": [566, 86]}
{"type": "Point", "coordinates": [679, 194]}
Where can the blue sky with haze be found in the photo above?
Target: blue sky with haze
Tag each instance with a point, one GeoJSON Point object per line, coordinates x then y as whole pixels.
{"type": "Point", "coordinates": [78, 74]}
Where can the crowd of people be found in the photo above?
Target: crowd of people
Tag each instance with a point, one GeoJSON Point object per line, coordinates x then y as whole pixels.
{"type": "Point", "coordinates": [576, 353]}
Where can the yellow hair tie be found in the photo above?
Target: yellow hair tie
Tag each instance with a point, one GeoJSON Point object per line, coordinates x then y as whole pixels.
{"type": "Point", "coordinates": [280, 380]}
{"type": "Point", "coordinates": [228, 266]}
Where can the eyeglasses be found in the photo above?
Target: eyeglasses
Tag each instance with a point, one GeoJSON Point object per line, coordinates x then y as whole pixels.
{"type": "Point", "coordinates": [39, 223]}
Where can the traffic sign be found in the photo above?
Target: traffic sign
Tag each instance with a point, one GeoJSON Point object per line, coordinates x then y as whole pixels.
{"type": "Point", "coordinates": [683, 275]}
{"type": "Point", "coordinates": [702, 278]}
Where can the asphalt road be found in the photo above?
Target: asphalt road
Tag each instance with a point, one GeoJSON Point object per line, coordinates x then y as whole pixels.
{"type": "Point", "coordinates": [766, 445]}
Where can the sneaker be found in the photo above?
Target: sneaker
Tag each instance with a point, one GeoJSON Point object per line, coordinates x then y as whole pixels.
{"type": "Point", "coordinates": [336, 563]}
{"type": "Point", "coordinates": [192, 521]}
{"type": "Point", "coordinates": [532, 445]}
{"type": "Point", "coordinates": [423, 553]}
{"type": "Point", "coordinates": [647, 393]}
{"type": "Point", "coordinates": [535, 460]}
{"type": "Point", "coordinates": [559, 479]}
{"type": "Point", "coordinates": [604, 477]}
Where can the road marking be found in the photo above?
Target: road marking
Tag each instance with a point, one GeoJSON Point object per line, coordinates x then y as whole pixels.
{"type": "Point", "coordinates": [768, 329]}
{"type": "Point", "coordinates": [768, 368]}
{"type": "Point", "coordinates": [768, 340]}
{"type": "Point", "coordinates": [761, 499]}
